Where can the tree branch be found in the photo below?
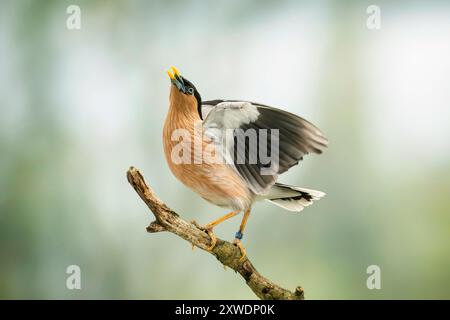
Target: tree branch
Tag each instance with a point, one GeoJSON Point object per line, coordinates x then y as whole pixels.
{"type": "Point", "coordinates": [226, 252]}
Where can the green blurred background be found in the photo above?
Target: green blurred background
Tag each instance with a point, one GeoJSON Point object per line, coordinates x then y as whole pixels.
{"type": "Point", "coordinates": [78, 107]}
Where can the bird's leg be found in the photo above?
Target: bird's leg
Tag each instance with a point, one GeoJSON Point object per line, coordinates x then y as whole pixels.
{"type": "Point", "coordinates": [209, 227]}
{"type": "Point", "coordinates": [240, 234]}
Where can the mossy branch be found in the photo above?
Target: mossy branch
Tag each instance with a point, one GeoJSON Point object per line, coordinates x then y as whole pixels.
{"type": "Point", "coordinates": [226, 252]}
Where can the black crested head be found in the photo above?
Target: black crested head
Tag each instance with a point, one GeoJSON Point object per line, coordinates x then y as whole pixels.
{"type": "Point", "coordinates": [190, 89]}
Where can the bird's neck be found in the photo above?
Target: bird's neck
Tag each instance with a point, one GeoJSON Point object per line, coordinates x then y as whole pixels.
{"type": "Point", "coordinates": [183, 114]}
{"type": "Point", "coordinates": [181, 120]}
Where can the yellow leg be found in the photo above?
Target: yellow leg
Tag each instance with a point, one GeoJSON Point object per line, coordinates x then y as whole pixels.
{"type": "Point", "coordinates": [209, 227]}
{"type": "Point", "coordinates": [221, 219]}
{"type": "Point", "coordinates": [240, 234]}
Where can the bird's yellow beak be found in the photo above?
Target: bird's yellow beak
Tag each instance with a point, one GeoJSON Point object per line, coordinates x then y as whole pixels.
{"type": "Point", "coordinates": [174, 74]}
{"type": "Point", "coordinates": [176, 79]}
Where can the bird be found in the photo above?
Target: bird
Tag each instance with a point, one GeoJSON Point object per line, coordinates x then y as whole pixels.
{"type": "Point", "coordinates": [213, 125]}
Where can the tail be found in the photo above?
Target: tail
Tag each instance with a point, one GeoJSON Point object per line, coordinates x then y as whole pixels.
{"type": "Point", "coordinates": [292, 198]}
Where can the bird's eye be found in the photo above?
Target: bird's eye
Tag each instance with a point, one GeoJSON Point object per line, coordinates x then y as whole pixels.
{"type": "Point", "coordinates": [191, 90]}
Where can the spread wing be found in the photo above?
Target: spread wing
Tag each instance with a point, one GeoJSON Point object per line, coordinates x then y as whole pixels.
{"type": "Point", "coordinates": [228, 123]}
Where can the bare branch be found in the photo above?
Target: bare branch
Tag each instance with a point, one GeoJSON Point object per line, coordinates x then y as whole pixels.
{"type": "Point", "coordinates": [226, 252]}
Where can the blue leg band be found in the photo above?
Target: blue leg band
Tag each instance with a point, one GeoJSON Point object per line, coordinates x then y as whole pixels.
{"type": "Point", "coordinates": [239, 235]}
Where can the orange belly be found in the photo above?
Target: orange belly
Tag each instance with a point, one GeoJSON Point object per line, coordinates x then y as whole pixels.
{"type": "Point", "coordinates": [217, 183]}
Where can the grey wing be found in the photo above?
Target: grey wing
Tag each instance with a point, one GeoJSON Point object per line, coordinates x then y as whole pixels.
{"type": "Point", "coordinates": [207, 106]}
{"type": "Point", "coordinates": [225, 121]}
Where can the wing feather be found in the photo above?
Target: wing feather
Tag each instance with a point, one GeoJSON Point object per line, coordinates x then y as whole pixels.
{"type": "Point", "coordinates": [297, 138]}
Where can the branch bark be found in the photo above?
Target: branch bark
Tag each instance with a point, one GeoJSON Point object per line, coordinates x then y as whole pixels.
{"type": "Point", "coordinates": [226, 252]}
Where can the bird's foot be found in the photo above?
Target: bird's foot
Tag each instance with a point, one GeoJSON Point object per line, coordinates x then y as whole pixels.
{"type": "Point", "coordinates": [237, 242]}
{"type": "Point", "coordinates": [209, 230]}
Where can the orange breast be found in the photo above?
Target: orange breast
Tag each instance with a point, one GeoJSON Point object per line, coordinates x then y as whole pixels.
{"type": "Point", "coordinates": [218, 183]}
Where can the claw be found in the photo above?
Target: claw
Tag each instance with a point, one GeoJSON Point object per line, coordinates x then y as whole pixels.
{"type": "Point", "coordinates": [210, 233]}
{"type": "Point", "coordinates": [213, 239]}
{"type": "Point", "coordinates": [239, 244]}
